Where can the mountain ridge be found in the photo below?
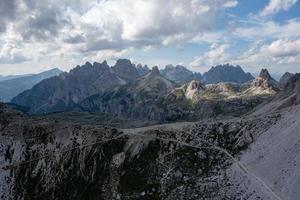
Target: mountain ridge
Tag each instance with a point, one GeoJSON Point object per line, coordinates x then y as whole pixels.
{"type": "Point", "coordinates": [226, 73]}
{"type": "Point", "coordinates": [12, 87]}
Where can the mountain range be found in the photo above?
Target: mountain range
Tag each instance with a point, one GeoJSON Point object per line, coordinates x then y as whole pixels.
{"type": "Point", "coordinates": [127, 91]}
{"type": "Point", "coordinates": [11, 86]}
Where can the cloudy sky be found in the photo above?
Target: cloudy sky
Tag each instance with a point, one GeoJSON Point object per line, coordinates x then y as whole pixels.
{"type": "Point", "coordinates": [40, 35]}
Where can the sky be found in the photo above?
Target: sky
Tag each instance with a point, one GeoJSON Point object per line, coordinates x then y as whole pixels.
{"type": "Point", "coordinates": [39, 35]}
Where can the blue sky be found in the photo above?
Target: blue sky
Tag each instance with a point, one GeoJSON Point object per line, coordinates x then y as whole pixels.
{"type": "Point", "coordinates": [37, 36]}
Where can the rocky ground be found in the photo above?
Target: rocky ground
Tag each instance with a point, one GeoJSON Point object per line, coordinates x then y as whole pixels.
{"type": "Point", "coordinates": [53, 160]}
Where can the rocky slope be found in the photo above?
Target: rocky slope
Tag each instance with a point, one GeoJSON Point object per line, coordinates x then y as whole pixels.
{"type": "Point", "coordinates": [63, 92]}
{"type": "Point", "coordinates": [138, 100]}
{"type": "Point", "coordinates": [54, 160]}
{"type": "Point", "coordinates": [142, 70]}
{"type": "Point", "coordinates": [285, 78]}
{"type": "Point", "coordinates": [14, 86]}
{"type": "Point", "coordinates": [264, 84]}
{"type": "Point", "coordinates": [226, 73]}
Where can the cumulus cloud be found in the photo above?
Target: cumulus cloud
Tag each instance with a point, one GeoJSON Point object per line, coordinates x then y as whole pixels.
{"type": "Point", "coordinates": [7, 13]}
{"type": "Point", "coordinates": [281, 52]}
{"type": "Point", "coordinates": [282, 48]}
{"type": "Point", "coordinates": [216, 55]}
{"type": "Point", "coordinates": [83, 27]}
{"type": "Point", "coordinates": [231, 4]}
{"type": "Point", "coordinates": [274, 6]}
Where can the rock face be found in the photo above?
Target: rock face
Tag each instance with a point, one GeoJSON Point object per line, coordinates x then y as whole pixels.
{"type": "Point", "coordinates": [14, 86]}
{"type": "Point", "coordinates": [290, 95]}
{"type": "Point", "coordinates": [179, 74]}
{"type": "Point", "coordinates": [53, 160]}
{"type": "Point", "coordinates": [263, 85]}
{"type": "Point", "coordinates": [285, 78]}
{"type": "Point", "coordinates": [226, 73]}
{"type": "Point", "coordinates": [192, 88]}
{"type": "Point", "coordinates": [63, 92]}
{"type": "Point", "coordinates": [142, 70]}
{"type": "Point", "coordinates": [139, 99]}
{"type": "Point", "coordinates": [126, 70]}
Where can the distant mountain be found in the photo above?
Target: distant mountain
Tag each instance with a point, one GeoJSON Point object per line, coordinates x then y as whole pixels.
{"type": "Point", "coordinates": [65, 91]}
{"type": "Point", "coordinates": [126, 70]}
{"type": "Point", "coordinates": [264, 84]}
{"type": "Point", "coordinates": [155, 98]}
{"type": "Point", "coordinates": [9, 77]}
{"type": "Point", "coordinates": [226, 73]}
{"type": "Point", "coordinates": [288, 96]}
{"type": "Point", "coordinates": [142, 70]}
{"type": "Point", "coordinates": [285, 78]}
{"type": "Point", "coordinates": [14, 86]}
{"type": "Point", "coordinates": [139, 99]}
{"type": "Point", "coordinates": [179, 74]}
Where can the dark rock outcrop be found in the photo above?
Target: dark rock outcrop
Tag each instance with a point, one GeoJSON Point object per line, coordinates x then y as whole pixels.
{"type": "Point", "coordinates": [142, 70]}
{"type": "Point", "coordinates": [226, 73]}
{"type": "Point", "coordinates": [126, 70]}
{"type": "Point", "coordinates": [49, 160]}
{"type": "Point", "coordinates": [285, 78]}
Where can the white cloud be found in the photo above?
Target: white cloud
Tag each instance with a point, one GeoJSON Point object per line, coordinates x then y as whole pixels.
{"type": "Point", "coordinates": [231, 4]}
{"type": "Point", "coordinates": [107, 55]}
{"type": "Point", "coordinates": [274, 6]}
{"type": "Point", "coordinates": [279, 55]}
{"type": "Point", "coordinates": [79, 28]}
{"type": "Point", "coordinates": [216, 55]}
{"type": "Point", "coordinates": [269, 29]}
{"type": "Point", "coordinates": [282, 48]}
{"type": "Point", "coordinates": [209, 37]}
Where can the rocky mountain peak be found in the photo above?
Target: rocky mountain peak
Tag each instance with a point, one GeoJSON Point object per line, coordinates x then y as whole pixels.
{"type": "Point", "coordinates": [285, 78]}
{"type": "Point", "coordinates": [142, 70]}
{"type": "Point", "coordinates": [226, 73]}
{"type": "Point", "coordinates": [126, 70]}
{"type": "Point", "coordinates": [88, 64]}
{"type": "Point", "coordinates": [264, 84]}
{"type": "Point", "coordinates": [155, 71]}
{"type": "Point", "coordinates": [123, 62]}
{"type": "Point", "coordinates": [264, 73]}
{"type": "Point", "coordinates": [179, 74]}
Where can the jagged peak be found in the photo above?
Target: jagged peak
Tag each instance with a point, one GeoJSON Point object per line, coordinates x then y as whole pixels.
{"type": "Point", "coordinates": [123, 62]}
{"type": "Point", "coordinates": [155, 71]}
{"type": "Point", "coordinates": [104, 62]}
{"type": "Point", "coordinates": [294, 81]}
{"type": "Point", "coordinates": [88, 64]}
{"type": "Point", "coordinates": [264, 73]}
